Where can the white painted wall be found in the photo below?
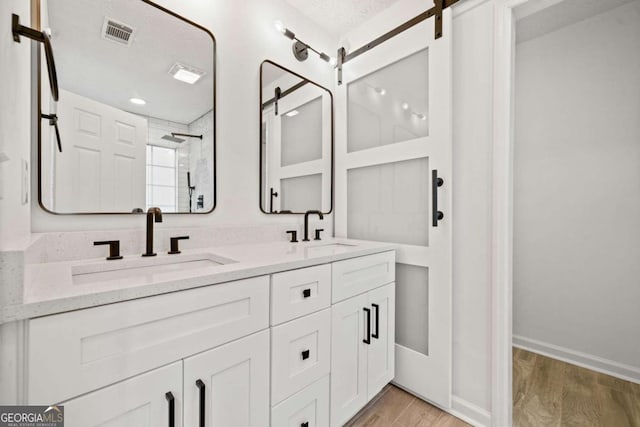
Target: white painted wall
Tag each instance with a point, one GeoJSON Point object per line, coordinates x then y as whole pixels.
{"type": "Point", "coordinates": [15, 133]}
{"type": "Point", "coordinates": [472, 145]}
{"type": "Point", "coordinates": [245, 37]}
{"type": "Point", "coordinates": [577, 188]}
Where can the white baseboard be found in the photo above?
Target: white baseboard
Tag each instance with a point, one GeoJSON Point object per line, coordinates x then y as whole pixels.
{"type": "Point", "coordinates": [598, 364]}
{"type": "Point", "coordinates": [469, 412]}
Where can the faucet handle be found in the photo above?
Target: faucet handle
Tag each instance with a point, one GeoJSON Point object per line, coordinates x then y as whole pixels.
{"type": "Point", "coordinates": [174, 244]}
{"type": "Point", "coordinates": [318, 231]}
{"type": "Point", "coordinates": [294, 235]}
{"type": "Point", "coordinates": [114, 248]}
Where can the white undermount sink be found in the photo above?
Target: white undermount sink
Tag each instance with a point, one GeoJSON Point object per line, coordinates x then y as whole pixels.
{"type": "Point", "coordinates": [143, 268]}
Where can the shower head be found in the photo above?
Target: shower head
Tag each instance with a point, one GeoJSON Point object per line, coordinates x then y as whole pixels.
{"type": "Point", "coordinates": [172, 138]}
{"type": "Point", "coordinates": [186, 135]}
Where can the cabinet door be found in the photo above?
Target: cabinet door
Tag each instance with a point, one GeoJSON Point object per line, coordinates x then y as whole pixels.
{"type": "Point", "coordinates": [235, 378]}
{"type": "Point", "coordinates": [140, 401]}
{"type": "Point", "coordinates": [348, 358]}
{"type": "Point", "coordinates": [381, 352]}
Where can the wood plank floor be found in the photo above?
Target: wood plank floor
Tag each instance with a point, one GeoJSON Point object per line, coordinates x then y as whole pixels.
{"type": "Point", "coordinates": [393, 407]}
{"type": "Point", "coordinates": [548, 392]}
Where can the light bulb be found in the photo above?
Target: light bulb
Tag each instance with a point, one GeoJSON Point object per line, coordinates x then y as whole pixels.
{"type": "Point", "coordinates": [137, 101]}
{"type": "Point", "coordinates": [333, 61]}
{"type": "Point", "coordinates": [405, 106]}
{"type": "Point", "coordinates": [279, 26]}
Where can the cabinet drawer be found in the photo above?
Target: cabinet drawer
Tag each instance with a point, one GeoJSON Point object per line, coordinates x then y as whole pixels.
{"type": "Point", "coordinates": [300, 292]}
{"type": "Point", "coordinates": [76, 352]}
{"type": "Point", "coordinates": [138, 401]}
{"type": "Point", "coordinates": [357, 275]}
{"type": "Point", "coordinates": [300, 354]}
{"type": "Point", "coordinates": [309, 407]}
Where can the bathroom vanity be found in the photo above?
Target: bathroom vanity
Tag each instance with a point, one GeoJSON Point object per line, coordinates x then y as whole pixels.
{"type": "Point", "coordinates": [299, 334]}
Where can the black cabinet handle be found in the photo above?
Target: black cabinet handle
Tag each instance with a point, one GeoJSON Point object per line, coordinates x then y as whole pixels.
{"type": "Point", "coordinates": [172, 408]}
{"type": "Point", "coordinates": [436, 182]}
{"type": "Point", "coordinates": [174, 244]}
{"type": "Point", "coordinates": [367, 340]}
{"type": "Point", "coordinates": [294, 235]}
{"type": "Point", "coordinates": [114, 248]}
{"type": "Point", "coordinates": [305, 354]}
{"type": "Point", "coordinates": [305, 424]}
{"type": "Point", "coordinates": [201, 387]}
{"type": "Point", "coordinates": [376, 335]}
{"type": "Point", "coordinates": [306, 293]}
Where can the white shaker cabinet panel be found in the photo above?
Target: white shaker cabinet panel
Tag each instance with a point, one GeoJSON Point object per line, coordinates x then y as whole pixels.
{"type": "Point", "coordinates": [299, 292]}
{"type": "Point", "coordinates": [234, 382]}
{"type": "Point", "coordinates": [348, 359]}
{"type": "Point", "coordinates": [309, 407]}
{"type": "Point", "coordinates": [83, 350]}
{"type": "Point", "coordinates": [381, 352]}
{"type": "Point", "coordinates": [137, 402]}
{"type": "Point", "coordinates": [358, 275]}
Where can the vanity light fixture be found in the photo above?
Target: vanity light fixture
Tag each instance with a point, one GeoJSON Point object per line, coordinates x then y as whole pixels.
{"type": "Point", "coordinates": [137, 101]}
{"type": "Point", "coordinates": [186, 73]}
{"type": "Point", "coordinates": [299, 48]}
{"type": "Point", "coordinates": [292, 113]}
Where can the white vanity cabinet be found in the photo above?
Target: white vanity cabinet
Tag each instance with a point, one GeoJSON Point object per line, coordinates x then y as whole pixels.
{"type": "Point", "coordinates": [307, 347]}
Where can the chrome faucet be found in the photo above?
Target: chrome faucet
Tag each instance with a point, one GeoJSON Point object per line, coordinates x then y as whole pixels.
{"type": "Point", "coordinates": [153, 215]}
{"type": "Point", "coordinates": [306, 223]}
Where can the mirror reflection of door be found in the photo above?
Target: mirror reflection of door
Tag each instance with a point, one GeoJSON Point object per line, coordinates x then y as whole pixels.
{"type": "Point", "coordinates": [136, 110]}
{"type": "Point", "coordinates": [296, 143]}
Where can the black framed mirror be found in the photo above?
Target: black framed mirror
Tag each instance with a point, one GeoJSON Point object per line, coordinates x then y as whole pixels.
{"type": "Point", "coordinates": [296, 143]}
{"type": "Point", "coordinates": [136, 112]}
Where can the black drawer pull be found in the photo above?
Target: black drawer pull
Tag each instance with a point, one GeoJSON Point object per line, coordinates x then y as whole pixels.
{"type": "Point", "coordinates": [201, 387]}
{"type": "Point", "coordinates": [305, 354]}
{"type": "Point", "coordinates": [305, 424]}
{"type": "Point", "coordinates": [172, 408]}
{"type": "Point", "coordinates": [367, 340]}
{"type": "Point", "coordinates": [376, 334]}
{"type": "Point", "coordinates": [306, 293]}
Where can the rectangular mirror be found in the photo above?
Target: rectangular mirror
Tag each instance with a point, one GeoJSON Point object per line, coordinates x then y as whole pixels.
{"type": "Point", "coordinates": [296, 143]}
{"type": "Point", "coordinates": [136, 110]}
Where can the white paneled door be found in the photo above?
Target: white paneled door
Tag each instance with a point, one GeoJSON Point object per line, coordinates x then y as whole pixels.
{"type": "Point", "coordinates": [391, 152]}
{"type": "Point", "coordinates": [102, 166]}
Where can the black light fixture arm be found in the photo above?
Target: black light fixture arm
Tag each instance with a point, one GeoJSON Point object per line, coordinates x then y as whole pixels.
{"type": "Point", "coordinates": [299, 44]}
{"type": "Point", "coordinates": [41, 37]}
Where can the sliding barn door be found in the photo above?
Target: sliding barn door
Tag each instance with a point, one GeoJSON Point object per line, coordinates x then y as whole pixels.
{"type": "Point", "coordinates": [391, 153]}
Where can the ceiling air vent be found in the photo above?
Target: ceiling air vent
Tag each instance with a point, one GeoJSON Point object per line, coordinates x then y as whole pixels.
{"type": "Point", "coordinates": [117, 31]}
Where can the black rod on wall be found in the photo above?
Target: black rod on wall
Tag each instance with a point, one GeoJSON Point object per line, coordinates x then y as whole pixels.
{"type": "Point", "coordinates": [285, 93]}
{"type": "Point", "coordinates": [436, 10]}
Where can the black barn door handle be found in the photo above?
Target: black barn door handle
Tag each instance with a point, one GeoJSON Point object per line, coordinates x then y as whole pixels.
{"type": "Point", "coordinates": [436, 182]}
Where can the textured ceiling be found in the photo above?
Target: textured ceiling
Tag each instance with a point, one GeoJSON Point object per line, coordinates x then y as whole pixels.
{"type": "Point", "coordinates": [340, 16]}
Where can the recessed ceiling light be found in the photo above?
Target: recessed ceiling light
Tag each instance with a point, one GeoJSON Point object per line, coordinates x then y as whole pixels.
{"type": "Point", "coordinates": [186, 73]}
{"type": "Point", "coordinates": [292, 113]}
{"type": "Point", "coordinates": [137, 101]}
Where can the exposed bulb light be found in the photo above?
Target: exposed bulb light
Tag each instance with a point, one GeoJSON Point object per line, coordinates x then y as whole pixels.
{"type": "Point", "coordinates": [420, 116]}
{"type": "Point", "coordinates": [137, 101]}
{"type": "Point", "coordinates": [380, 90]}
{"type": "Point", "coordinates": [405, 106]}
{"type": "Point", "coordinates": [292, 113]}
{"type": "Point", "coordinates": [333, 61]}
{"type": "Point", "coordinates": [284, 30]}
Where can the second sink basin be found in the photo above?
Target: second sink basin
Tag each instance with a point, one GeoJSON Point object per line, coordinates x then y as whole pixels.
{"type": "Point", "coordinates": [143, 267]}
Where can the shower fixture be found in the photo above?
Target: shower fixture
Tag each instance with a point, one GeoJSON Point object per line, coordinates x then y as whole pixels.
{"type": "Point", "coordinates": [186, 135]}
{"type": "Point", "coordinates": [179, 138]}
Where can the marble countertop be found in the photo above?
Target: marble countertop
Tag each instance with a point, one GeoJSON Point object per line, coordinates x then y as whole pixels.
{"type": "Point", "coordinates": [57, 287]}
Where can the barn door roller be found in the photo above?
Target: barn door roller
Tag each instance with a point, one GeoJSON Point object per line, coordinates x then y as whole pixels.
{"type": "Point", "coordinates": [436, 11]}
